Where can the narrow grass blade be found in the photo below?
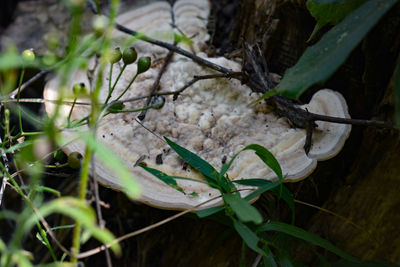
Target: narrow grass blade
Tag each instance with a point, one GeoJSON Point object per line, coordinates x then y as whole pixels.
{"type": "Point", "coordinates": [208, 212]}
{"type": "Point", "coordinates": [193, 160]}
{"type": "Point", "coordinates": [163, 177]}
{"type": "Point", "coordinates": [263, 153]}
{"type": "Point", "coordinates": [78, 210]}
{"type": "Point", "coordinates": [249, 237]}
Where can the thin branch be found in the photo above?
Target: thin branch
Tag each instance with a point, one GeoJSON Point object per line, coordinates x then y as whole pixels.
{"type": "Point", "coordinates": [297, 115]}
{"type": "Point", "coordinates": [198, 78]}
{"type": "Point", "coordinates": [145, 229]}
{"type": "Point", "coordinates": [29, 82]}
{"type": "Point", "coordinates": [257, 68]}
{"type": "Point", "coordinates": [346, 220]}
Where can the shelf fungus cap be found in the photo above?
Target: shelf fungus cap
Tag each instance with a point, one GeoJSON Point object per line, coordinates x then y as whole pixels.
{"type": "Point", "coordinates": [328, 138]}
{"type": "Point", "coordinates": [211, 118]}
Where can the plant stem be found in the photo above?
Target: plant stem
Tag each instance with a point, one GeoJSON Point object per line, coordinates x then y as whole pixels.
{"type": "Point", "coordinates": [115, 83]}
{"type": "Point", "coordinates": [21, 77]}
{"type": "Point", "coordinates": [70, 112]}
{"type": "Point", "coordinates": [109, 83]}
{"type": "Point", "coordinates": [126, 89]}
{"type": "Point", "coordinates": [46, 240]}
{"type": "Point", "coordinates": [84, 178]}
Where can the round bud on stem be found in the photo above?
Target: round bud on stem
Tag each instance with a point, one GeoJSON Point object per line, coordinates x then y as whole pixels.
{"type": "Point", "coordinates": [129, 55]}
{"type": "Point", "coordinates": [28, 55]}
{"type": "Point", "coordinates": [143, 64]}
{"type": "Point", "coordinates": [157, 102]}
{"type": "Point", "coordinates": [99, 24]}
{"type": "Point", "coordinates": [117, 107]}
{"type": "Point", "coordinates": [74, 160]}
{"type": "Point", "coordinates": [115, 55]}
{"type": "Point", "coordinates": [79, 89]}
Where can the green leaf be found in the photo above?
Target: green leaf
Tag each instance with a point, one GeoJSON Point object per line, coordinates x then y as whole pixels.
{"type": "Point", "coordinates": [169, 180]}
{"type": "Point", "coordinates": [264, 96]}
{"type": "Point", "coordinates": [249, 237]}
{"type": "Point", "coordinates": [331, 12]}
{"type": "Point", "coordinates": [284, 259]}
{"type": "Point", "coordinates": [320, 61]}
{"type": "Point", "coordinates": [263, 153]}
{"type": "Point", "coordinates": [18, 146]}
{"type": "Point", "coordinates": [244, 211]}
{"type": "Point", "coordinates": [397, 91]}
{"type": "Point", "coordinates": [268, 259]}
{"type": "Point", "coordinates": [304, 235]}
{"type": "Point", "coordinates": [281, 191]}
{"type": "Point", "coordinates": [284, 193]}
{"type": "Point", "coordinates": [267, 157]}
{"type": "Point", "coordinates": [256, 193]}
{"type": "Point", "coordinates": [130, 185]}
{"type": "Point", "coordinates": [3, 246]}
{"type": "Point", "coordinates": [11, 60]}
{"type": "Point", "coordinates": [81, 212]}
{"type": "Point", "coordinates": [254, 182]}
{"type": "Point", "coordinates": [47, 189]}
{"type": "Point", "coordinates": [210, 211]}
{"type": "Point", "coordinates": [193, 160]}
{"type": "Point", "coordinates": [40, 238]}
{"type": "Point", "coordinates": [21, 258]}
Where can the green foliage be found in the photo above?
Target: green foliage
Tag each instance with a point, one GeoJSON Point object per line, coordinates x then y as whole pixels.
{"type": "Point", "coordinates": [169, 180]}
{"type": "Point", "coordinates": [244, 211]}
{"type": "Point", "coordinates": [81, 212]}
{"type": "Point", "coordinates": [331, 12]}
{"type": "Point", "coordinates": [246, 219]}
{"type": "Point", "coordinates": [321, 60]}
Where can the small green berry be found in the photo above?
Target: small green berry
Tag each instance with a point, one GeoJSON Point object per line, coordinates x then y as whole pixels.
{"type": "Point", "coordinates": [74, 160]}
{"type": "Point", "coordinates": [115, 55]}
{"type": "Point", "coordinates": [79, 89]}
{"type": "Point", "coordinates": [129, 55]}
{"type": "Point", "coordinates": [28, 55]}
{"type": "Point", "coordinates": [99, 24]}
{"type": "Point", "coordinates": [143, 64]}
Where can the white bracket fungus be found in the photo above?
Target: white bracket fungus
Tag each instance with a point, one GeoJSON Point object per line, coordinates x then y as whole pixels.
{"type": "Point", "coordinates": [211, 118]}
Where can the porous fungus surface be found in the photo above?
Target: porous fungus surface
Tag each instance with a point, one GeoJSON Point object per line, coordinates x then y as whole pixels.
{"type": "Point", "coordinates": [211, 118]}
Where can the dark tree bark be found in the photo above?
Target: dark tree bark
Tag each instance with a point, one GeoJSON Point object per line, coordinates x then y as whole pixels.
{"type": "Point", "coordinates": [362, 182]}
